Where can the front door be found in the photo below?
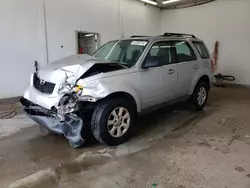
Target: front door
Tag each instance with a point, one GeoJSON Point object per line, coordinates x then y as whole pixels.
{"type": "Point", "coordinates": [151, 86]}
{"type": "Point", "coordinates": [158, 77]}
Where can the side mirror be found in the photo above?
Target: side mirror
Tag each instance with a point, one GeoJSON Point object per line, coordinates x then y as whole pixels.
{"type": "Point", "coordinates": [149, 64]}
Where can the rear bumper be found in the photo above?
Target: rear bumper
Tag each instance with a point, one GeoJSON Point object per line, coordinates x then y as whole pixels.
{"type": "Point", "coordinates": [71, 128]}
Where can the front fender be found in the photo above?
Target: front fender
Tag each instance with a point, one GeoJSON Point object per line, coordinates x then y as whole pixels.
{"type": "Point", "coordinates": [100, 89]}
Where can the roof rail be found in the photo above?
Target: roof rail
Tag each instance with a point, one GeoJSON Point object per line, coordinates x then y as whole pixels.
{"type": "Point", "coordinates": [178, 35]}
{"type": "Point", "coordinates": [136, 36]}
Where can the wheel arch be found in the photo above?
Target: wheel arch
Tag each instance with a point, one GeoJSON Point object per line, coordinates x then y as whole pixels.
{"type": "Point", "coordinates": [201, 78]}
{"type": "Point", "coordinates": [126, 95]}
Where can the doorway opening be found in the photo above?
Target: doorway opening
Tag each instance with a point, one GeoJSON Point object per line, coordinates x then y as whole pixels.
{"type": "Point", "coordinates": [87, 42]}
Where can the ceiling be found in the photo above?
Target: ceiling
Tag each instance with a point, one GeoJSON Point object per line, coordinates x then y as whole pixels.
{"type": "Point", "coordinates": [179, 3]}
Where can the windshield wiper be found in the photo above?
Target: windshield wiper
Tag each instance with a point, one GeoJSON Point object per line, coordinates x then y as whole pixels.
{"type": "Point", "coordinates": [124, 64]}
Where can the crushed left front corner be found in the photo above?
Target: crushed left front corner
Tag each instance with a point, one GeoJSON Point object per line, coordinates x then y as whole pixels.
{"type": "Point", "coordinates": [71, 127]}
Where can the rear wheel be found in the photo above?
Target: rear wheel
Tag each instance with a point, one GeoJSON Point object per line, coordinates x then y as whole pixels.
{"type": "Point", "coordinates": [200, 95]}
{"type": "Point", "coordinates": [113, 121]}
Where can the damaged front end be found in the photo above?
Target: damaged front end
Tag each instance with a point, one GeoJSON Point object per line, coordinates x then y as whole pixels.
{"type": "Point", "coordinates": [62, 95]}
{"type": "Point", "coordinates": [61, 120]}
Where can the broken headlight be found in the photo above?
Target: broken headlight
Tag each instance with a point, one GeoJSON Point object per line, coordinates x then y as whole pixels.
{"type": "Point", "coordinates": [65, 88]}
{"type": "Point", "coordinates": [67, 104]}
{"type": "Point", "coordinates": [77, 89]}
{"type": "Point", "coordinates": [68, 100]}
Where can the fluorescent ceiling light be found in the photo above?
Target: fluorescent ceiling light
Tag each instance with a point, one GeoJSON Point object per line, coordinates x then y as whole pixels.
{"type": "Point", "coordinates": [169, 1]}
{"type": "Point", "coordinates": [149, 1]}
{"type": "Point", "coordinates": [89, 35]}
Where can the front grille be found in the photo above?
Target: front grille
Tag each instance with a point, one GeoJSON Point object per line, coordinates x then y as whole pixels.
{"type": "Point", "coordinates": [43, 86]}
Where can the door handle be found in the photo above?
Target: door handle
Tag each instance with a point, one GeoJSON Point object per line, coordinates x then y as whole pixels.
{"type": "Point", "coordinates": [196, 66]}
{"type": "Point", "coordinates": [171, 71]}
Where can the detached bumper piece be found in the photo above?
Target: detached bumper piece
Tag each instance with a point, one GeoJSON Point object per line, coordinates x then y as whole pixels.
{"type": "Point", "coordinates": [70, 128]}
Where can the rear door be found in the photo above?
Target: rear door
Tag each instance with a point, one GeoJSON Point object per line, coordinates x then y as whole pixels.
{"type": "Point", "coordinates": [204, 54]}
{"type": "Point", "coordinates": [186, 66]}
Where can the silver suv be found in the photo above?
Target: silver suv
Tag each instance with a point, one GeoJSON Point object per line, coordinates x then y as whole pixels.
{"type": "Point", "coordinates": [103, 93]}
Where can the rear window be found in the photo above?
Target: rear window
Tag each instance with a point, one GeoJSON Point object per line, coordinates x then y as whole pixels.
{"type": "Point", "coordinates": [201, 49]}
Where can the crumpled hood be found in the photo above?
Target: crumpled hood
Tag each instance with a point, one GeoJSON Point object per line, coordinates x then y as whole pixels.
{"type": "Point", "coordinates": [70, 67]}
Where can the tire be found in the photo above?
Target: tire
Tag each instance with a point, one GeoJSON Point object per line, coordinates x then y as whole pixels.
{"type": "Point", "coordinates": [201, 88]}
{"type": "Point", "coordinates": [86, 131]}
{"type": "Point", "coordinates": [103, 114]}
{"type": "Point", "coordinates": [87, 135]}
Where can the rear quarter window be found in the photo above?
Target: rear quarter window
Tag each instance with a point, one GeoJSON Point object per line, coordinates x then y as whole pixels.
{"type": "Point", "coordinates": [201, 49]}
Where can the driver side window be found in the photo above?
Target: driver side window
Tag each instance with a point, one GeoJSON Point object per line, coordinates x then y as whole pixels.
{"type": "Point", "coordinates": [159, 54]}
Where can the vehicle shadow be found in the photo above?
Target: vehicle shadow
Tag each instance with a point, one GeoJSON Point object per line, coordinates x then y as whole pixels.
{"type": "Point", "coordinates": [155, 118]}
{"type": "Point", "coordinates": [172, 121]}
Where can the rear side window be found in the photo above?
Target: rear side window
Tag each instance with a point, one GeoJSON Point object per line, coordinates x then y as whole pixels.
{"type": "Point", "coordinates": [201, 49]}
{"type": "Point", "coordinates": [184, 52]}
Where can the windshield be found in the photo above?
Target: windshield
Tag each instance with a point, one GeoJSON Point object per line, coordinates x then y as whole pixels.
{"type": "Point", "coordinates": [126, 52]}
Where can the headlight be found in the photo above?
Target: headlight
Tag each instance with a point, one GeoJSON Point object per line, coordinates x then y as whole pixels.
{"type": "Point", "coordinates": [65, 88]}
{"type": "Point", "coordinates": [68, 100]}
{"type": "Point", "coordinates": [67, 104]}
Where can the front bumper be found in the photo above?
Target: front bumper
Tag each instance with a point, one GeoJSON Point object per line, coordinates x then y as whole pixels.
{"type": "Point", "coordinates": [41, 99]}
{"type": "Point", "coordinates": [71, 127]}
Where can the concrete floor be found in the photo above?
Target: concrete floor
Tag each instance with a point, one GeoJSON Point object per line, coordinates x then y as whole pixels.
{"type": "Point", "coordinates": [175, 148]}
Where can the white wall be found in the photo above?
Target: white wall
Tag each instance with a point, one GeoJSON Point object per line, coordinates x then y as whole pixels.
{"type": "Point", "coordinates": [22, 33]}
{"type": "Point", "coordinates": [21, 42]}
{"type": "Point", "coordinates": [224, 20]}
{"type": "Point", "coordinates": [65, 17]}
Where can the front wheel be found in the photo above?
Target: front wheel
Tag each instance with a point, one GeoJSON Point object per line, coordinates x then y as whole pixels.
{"type": "Point", "coordinates": [200, 95]}
{"type": "Point", "coordinates": [112, 121]}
